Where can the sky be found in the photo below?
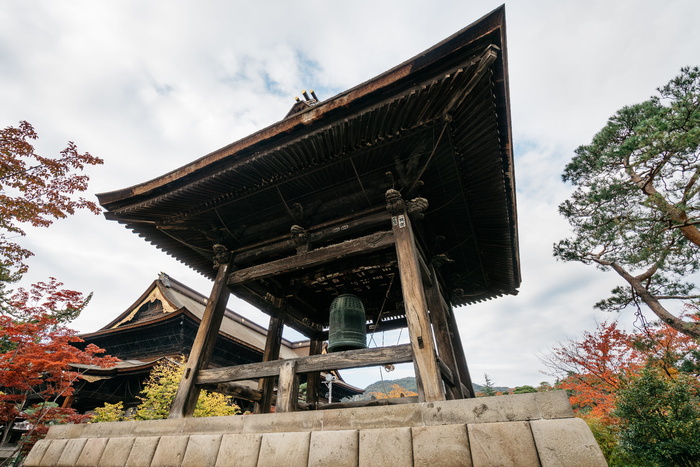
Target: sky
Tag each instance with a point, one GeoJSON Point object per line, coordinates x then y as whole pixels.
{"type": "Point", "coordinates": [151, 86]}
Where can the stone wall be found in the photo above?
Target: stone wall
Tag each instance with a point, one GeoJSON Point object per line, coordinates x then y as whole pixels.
{"type": "Point", "coordinates": [519, 430]}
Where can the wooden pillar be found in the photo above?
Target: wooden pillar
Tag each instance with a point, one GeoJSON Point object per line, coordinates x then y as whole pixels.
{"type": "Point", "coordinates": [272, 352]}
{"type": "Point", "coordinates": [460, 358]}
{"type": "Point", "coordinates": [416, 308]}
{"type": "Point", "coordinates": [203, 346]}
{"type": "Point", "coordinates": [443, 335]}
{"type": "Point", "coordinates": [287, 387]}
{"type": "Point", "coordinates": [313, 380]}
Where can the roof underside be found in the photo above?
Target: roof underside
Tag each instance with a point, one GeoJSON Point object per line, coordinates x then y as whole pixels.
{"type": "Point", "coordinates": [437, 126]}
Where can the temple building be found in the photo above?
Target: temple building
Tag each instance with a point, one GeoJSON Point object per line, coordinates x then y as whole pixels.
{"type": "Point", "coordinates": [162, 323]}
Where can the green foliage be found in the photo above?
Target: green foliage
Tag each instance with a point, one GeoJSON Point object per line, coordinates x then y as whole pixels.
{"type": "Point", "coordinates": [660, 419]}
{"type": "Point", "coordinates": [524, 389]}
{"type": "Point", "coordinates": [159, 392]}
{"type": "Point", "coordinates": [636, 208]}
{"type": "Point", "coordinates": [109, 413]}
{"type": "Point", "coordinates": [488, 389]}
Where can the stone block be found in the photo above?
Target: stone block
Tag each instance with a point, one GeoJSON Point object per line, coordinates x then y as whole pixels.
{"type": "Point", "coordinates": [67, 431]}
{"type": "Point", "coordinates": [92, 452]}
{"type": "Point", "coordinates": [168, 426]}
{"type": "Point", "coordinates": [34, 457]}
{"type": "Point", "coordinates": [566, 441]}
{"type": "Point", "coordinates": [282, 422]}
{"type": "Point", "coordinates": [99, 430]}
{"type": "Point", "coordinates": [517, 407]}
{"type": "Point", "coordinates": [116, 452]}
{"type": "Point", "coordinates": [170, 451]}
{"type": "Point", "coordinates": [502, 444]}
{"type": "Point", "coordinates": [554, 404]}
{"type": "Point", "coordinates": [71, 452]}
{"type": "Point", "coordinates": [142, 451]}
{"type": "Point", "coordinates": [239, 450]}
{"type": "Point", "coordinates": [201, 450]}
{"type": "Point", "coordinates": [336, 448]}
{"type": "Point", "coordinates": [443, 445]}
{"type": "Point", "coordinates": [367, 418]}
{"type": "Point", "coordinates": [388, 447]}
{"type": "Point", "coordinates": [284, 449]}
{"type": "Point", "coordinates": [53, 452]}
{"type": "Point", "coordinates": [229, 424]}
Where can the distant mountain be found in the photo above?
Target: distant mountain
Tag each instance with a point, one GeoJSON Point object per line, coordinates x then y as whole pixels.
{"type": "Point", "coordinates": [408, 383]}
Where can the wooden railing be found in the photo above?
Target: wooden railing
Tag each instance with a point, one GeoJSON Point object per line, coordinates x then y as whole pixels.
{"type": "Point", "coordinates": [223, 379]}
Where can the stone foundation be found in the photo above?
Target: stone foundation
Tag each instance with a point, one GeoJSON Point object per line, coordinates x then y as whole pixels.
{"type": "Point", "coordinates": [519, 430]}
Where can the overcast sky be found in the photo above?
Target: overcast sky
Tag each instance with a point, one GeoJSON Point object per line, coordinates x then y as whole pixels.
{"type": "Point", "coordinates": [152, 85]}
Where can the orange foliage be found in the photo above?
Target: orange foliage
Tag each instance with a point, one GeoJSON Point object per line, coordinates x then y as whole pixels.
{"type": "Point", "coordinates": [37, 354]}
{"type": "Point", "coordinates": [596, 367]}
{"type": "Point", "coordinates": [396, 391]}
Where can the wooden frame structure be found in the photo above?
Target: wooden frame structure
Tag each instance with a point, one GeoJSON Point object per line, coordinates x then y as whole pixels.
{"type": "Point", "coordinates": [400, 190]}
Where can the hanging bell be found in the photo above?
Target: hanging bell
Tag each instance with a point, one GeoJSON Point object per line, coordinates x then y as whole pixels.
{"type": "Point", "coordinates": [346, 327]}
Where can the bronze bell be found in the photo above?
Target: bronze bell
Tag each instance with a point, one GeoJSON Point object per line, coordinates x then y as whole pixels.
{"type": "Point", "coordinates": [346, 327]}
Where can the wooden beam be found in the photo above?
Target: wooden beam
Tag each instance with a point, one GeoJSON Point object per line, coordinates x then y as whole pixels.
{"type": "Point", "coordinates": [446, 372]}
{"type": "Point", "coordinates": [313, 380]}
{"type": "Point", "coordinates": [287, 387]}
{"type": "Point", "coordinates": [443, 337]}
{"type": "Point", "coordinates": [415, 304]}
{"type": "Point", "coordinates": [273, 343]}
{"type": "Point", "coordinates": [341, 227]}
{"type": "Point", "coordinates": [333, 361]}
{"type": "Point", "coordinates": [203, 346]}
{"type": "Point", "coordinates": [369, 403]}
{"type": "Point", "coordinates": [361, 245]}
{"type": "Point", "coordinates": [236, 390]}
{"type": "Point", "coordinates": [460, 358]}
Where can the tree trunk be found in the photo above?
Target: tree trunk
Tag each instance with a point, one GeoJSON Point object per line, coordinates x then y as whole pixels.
{"type": "Point", "coordinates": [689, 329]}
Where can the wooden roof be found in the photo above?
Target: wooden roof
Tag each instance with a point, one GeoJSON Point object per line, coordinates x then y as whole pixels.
{"type": "Point", "coordinates": [173, 300]}
{"type": "Point", "coordinates": [436, 126]}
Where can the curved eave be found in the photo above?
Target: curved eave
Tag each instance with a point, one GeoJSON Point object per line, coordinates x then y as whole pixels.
{"type": "Point", "coordinates": [444, 53]}
{"type": "Point", "coordinates": [473, 61]}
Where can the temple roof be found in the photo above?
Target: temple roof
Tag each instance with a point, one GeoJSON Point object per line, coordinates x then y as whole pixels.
{"type": "Point", "coordinates": [167, 299]}
{"type": "Point", "coordinates": [436, 126]}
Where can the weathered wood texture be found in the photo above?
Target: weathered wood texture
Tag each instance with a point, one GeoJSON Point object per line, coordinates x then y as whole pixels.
{"type": "Point", "coordinates": [342, 227]}
{"type": "Point", "coordinates": [203, 346]}
{"type": "Point", "coordinates": [416, 307]}
{"type": "Point", "coordinates": [443, 336]}
{"type": "Point", "coordinates": [273, 343]}
{"type": "Point", "coordinates": [313, 380]}
{"type": "Point", "coordinates": [287, 387]}
{"type": "Point", "coordinates": [460, 358]}
{"type": "Point", "coordinates": [237, 390]}
{"type": "Point", "coordinates": [312, 258]}
{"type": "Point", "coordinates": [334, 361]}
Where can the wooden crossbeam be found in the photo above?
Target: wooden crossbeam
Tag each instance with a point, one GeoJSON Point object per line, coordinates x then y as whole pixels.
{"type": "Point", "coordinates": [333, 361]}
{"type": "Point", "coordinates": [357, 246]}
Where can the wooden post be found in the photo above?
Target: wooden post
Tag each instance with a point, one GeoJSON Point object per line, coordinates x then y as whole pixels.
{"type": "Point", "coordinates": [287, 387]}
{"type": "Point", "coordinates": [443, 338]}
{"type": "Point", "coordinates": [272, 352]}
{"type": "Point", "coordinates": [313, 380]}
{"type": "Point", "coordinates": [460, 358]}
{"type": "Point", "coordinates": [416, 308]}
{"type": "Point", "coordinates": [203, 346]}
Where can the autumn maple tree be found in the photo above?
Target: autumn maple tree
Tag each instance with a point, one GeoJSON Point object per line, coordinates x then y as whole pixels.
{"type": "Point", "coordinates": [606, 374]}
{"type": "Point", "coordinates": [36, 372]}
{"type": "Point", "coordinates": [36, 190]}
{"type": "Point", "coordinates": [36, 347]}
